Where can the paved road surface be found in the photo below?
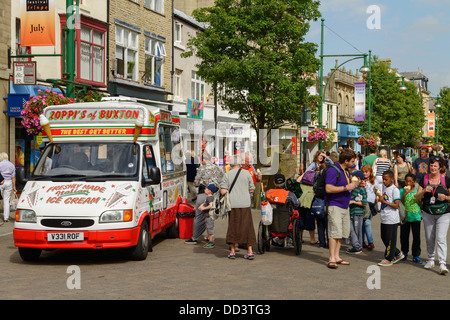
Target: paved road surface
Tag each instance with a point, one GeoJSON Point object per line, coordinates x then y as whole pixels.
{"type": "Point", "coordinates": [176, 271]}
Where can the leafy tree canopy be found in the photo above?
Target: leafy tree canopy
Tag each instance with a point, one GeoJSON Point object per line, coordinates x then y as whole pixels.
{"type": "Point", "coordinates": [443, 124]}
{"type": "Point", "coordinates": [397, 116]}
{"type": "Point", "coordinates": [256, 54]}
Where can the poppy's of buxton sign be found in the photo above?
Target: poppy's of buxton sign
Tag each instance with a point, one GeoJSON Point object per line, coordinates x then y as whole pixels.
{"type": "Point", "coordinates": [37, 26]}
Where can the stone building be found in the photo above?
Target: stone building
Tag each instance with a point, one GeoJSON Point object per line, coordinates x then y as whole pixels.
{"type": "Point", "coordinates": [5, 46]}
{"type": "Point", "coordinates": [140, 50]}
{"type": "Point", "coordinates": [340, 91]}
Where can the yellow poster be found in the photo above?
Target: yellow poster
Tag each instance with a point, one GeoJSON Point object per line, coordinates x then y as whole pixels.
{"type": "Point", "coordinates": [37, 26]}
{"type": "Point", "coordinates": [431, 124]}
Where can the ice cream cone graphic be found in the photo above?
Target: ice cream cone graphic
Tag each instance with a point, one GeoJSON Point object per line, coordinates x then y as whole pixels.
{"type": "Point", "coordinates": [138, 126]}
{"type": "Point", "coordinates": [45, 124]}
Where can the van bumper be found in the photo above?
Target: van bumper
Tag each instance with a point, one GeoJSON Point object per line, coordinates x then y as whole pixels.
{"type": "Point", "coordinates": [104, 239]}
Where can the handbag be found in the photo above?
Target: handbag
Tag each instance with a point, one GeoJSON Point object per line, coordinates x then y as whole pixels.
{"type": "Point", "coordinates": [367, 212]}
{"type": "Point", "coordinates": [402, 213]}
{"type": "Point", "coordinates": [13, 201]}
{"type": "Point", "coordinates": [222, 204]}
{"type": "Point", "coordinates": [308, 178]}
{"type": "Point", "coordinates": [436, 208]}
{"type": "Point", "coordinates": [318, 208]}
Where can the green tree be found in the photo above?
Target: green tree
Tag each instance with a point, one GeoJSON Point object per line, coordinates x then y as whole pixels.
{"type": "Point", "coordinates": [444, 119]}
{"type": "Point", "coordinates": [254, 52]}
{"type": "Point", "coordinates": [397, 116]}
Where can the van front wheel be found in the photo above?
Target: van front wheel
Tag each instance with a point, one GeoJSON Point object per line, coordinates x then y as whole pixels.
{"type": "Point", "coordinates": [29, 254]}
{"type": "Point", "coordinates": [140, 251]}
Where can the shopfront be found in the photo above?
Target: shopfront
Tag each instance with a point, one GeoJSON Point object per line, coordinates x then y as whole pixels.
{"type": "Point", "coordinates": [26, 147]}
{"type": "Point", "coordinates": [348, 135]}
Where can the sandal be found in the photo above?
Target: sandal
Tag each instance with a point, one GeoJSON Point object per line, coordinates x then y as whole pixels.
{"type": "Point", "coordinates": [232, 256]}
{"type": "Point", "coordinates": [332, 265]}
{"type": "Point", "coordinates": [249, 256]}
{"type": "Point", "coordinates": [343, 262]}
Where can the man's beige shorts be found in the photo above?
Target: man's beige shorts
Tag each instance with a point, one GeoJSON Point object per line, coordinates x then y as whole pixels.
{"type": "Point", "coordinates": [338, 223]}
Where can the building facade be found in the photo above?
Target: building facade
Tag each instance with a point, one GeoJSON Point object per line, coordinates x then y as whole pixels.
{"type": "Point", "coordinates": [340, 93]}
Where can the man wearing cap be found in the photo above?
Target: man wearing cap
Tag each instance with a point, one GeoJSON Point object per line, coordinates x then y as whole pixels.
{"type": "Point", "coordinates": [338, 199]}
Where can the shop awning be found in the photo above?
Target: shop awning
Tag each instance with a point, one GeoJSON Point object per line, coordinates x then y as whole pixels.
{"type": "Point", "coordinates": [20, 94]}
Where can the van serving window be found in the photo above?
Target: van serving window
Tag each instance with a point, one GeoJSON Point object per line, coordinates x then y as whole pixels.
{"type": "Point", "coordinates": [170, 149]}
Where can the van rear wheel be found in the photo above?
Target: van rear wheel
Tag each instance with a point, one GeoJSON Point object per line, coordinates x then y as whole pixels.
{"type": "Point", "coordinates": [29, 254]}
{"type": "Point", "coordinates": [140, 251]}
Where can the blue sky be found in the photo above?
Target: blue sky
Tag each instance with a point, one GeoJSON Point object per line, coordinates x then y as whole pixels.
{"type": "Point", "coordinates": [414, 34]}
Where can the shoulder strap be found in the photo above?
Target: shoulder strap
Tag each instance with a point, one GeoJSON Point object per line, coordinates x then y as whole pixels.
{"type": "Point", "coordinates": [425, 180]}
{"type": "Point", "coordinates": [443, 180]}
{"type": "Point", "coordinates": [234, 181]}
{"type": "Point", "coordinates": [338, 172]}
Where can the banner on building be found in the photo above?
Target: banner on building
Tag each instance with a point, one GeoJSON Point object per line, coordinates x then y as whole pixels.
{"type": "Point", "coordinates": [360, 101]}
{"type": "Point", "coordinates": [37, 23]}
{"type": "Point", "coordinates": [194, 109]}
{"type": "Point", "coordinates": [431, 124]}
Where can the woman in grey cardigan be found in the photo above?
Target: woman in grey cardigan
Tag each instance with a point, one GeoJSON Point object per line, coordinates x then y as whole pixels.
{"type": "Point", "coordinates": [240, 222]}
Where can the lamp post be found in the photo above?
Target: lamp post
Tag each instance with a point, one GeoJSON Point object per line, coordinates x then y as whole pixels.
{"type": "Point", "coordinates": [364, 70]}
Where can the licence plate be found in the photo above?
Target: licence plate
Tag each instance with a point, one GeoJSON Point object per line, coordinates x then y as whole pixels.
{"type": "Point", "coordinates": [65, 236]}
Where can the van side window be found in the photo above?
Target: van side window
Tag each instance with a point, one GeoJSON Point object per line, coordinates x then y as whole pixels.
{"type": "Point", "coordinates": [149, 161]}
{"type": "Point", "coordinates": [170, 149]}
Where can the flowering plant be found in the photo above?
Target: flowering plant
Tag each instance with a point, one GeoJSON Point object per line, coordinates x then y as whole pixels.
{"type": "Point", "coordinates": [436, 147]}
{"type": "Point", "coordinates": [367, 140]}
{"type": "Point", "coordinates": [417, 143]}
{"type": "Point", "coordinates": [35, 107]}
{"type": "Point", "coordinates": [317, 134]}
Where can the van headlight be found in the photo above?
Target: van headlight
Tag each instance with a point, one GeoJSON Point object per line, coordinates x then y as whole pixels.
{"type": "Point", "coordinates": [24, 215]}
{"type": "Point", "coordinates": [116, 216]}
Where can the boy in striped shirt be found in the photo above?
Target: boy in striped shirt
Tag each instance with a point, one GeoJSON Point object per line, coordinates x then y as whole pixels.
{"type": "Point", "coordinates": [357, 208]}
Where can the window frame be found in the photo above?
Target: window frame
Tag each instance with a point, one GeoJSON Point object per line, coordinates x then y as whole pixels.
{"type": "Point", "coordinates": [150, 52]}
{"type": "Point", "coordinates": [126, 48]}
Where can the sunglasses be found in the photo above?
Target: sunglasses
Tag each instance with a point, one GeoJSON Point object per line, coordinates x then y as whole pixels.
{"type": "Point", "coordinates": [435, 158]}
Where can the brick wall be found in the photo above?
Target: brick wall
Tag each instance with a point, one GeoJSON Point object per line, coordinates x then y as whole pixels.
{"type": "Point", "coordinates": [5, 40]}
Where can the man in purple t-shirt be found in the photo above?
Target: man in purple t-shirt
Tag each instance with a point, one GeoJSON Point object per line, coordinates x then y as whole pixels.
{"type": "Point", "coordinates": [338, 196]}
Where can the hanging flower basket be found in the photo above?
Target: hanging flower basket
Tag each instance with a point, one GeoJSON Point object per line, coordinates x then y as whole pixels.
{"type": "Point", "coordinates": [35, 107]}
{"type": "Point", "coordinates": [417, 143]}
{"type": "Point", "coordinates": [316, 135]}
{"type": "Point", "coordinates": [436, 147]}
{"type": "Point", "coordinates": [367, 140]}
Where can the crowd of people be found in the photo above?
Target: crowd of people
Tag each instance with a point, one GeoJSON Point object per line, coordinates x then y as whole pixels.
{"type": "Point", "coordinates": [357, 189]}
{"type": "Point", "coordinates": [376, 184]}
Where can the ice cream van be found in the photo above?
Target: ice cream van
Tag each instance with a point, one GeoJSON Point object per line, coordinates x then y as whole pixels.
{"type": "Point", "coordinates": [112, 175]}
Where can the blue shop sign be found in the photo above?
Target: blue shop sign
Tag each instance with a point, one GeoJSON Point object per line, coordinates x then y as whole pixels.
{"type": "Point", "coordinates": [16, 101]}
{"type": "Point", "coordinates": [348, 131]}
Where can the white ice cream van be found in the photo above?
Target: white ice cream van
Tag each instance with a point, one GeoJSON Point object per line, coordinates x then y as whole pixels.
{"type": "Point", "coordinates": [111, 176]}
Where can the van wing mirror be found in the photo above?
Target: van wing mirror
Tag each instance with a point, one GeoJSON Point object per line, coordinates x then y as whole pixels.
{"type": "Point", "coordinates": [20, 175]}
{"type": "Point", "coordinates": [155, 176]}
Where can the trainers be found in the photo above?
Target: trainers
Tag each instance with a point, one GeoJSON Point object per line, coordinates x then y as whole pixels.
{"type": "Point", "coordinates": [354, 251]}
{"type": "Point", "coordinates": [191, 241]}
{"type": "Point", "coordinates": [429, 264]}
{"type": "Point", "coordinates": [385, 263]}
{"type": "Point", "coordinates": [209, 245]}
{"type": "Point", "coordinates": [405, 258]}
{"type": "Point", "coordinates": [443, 269]}
{"type": "Point", "coordinates": [398, 258]}
{"type": "Point", "coordinates": [371, 246]}
{"type": "Point", "coordinates": [417, 260]}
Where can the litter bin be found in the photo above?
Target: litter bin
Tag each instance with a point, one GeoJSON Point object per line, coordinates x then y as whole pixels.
{"type": "Point", "coordinates": [186, 214]}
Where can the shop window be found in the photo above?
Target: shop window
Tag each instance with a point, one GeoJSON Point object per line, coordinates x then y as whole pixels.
{"type": "Point", "coordinates": [170, 149]}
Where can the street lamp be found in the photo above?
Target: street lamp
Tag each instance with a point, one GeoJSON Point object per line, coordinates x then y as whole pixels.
{"type": "Point", "coordinates": [365, 69]}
